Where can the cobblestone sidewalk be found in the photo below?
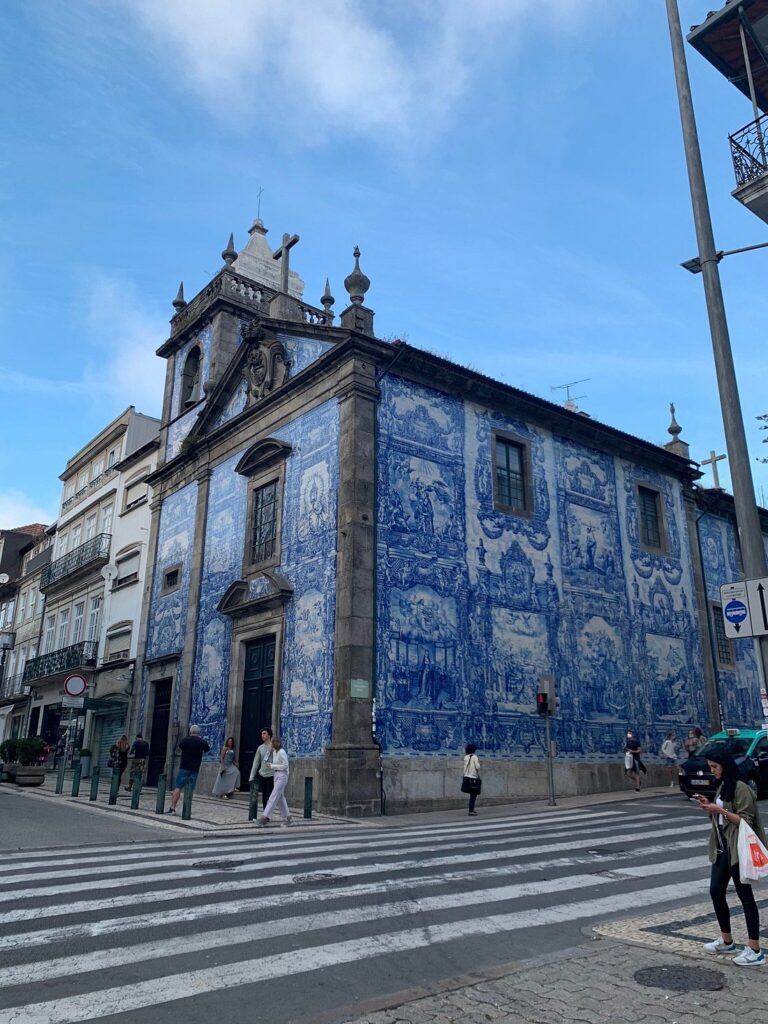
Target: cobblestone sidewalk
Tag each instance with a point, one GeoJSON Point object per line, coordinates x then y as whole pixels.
{"type": "Point", "coordinates": [604, 982]}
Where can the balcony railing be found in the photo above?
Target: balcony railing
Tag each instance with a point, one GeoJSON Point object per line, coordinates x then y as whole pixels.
{"type": "Point", "coordinates": [749, 151]}
{"type": "Point", "coordinates": [12, 686]}
{"type": "Point", "coordinates": [49, 664]}
{"type": "Point", "coordinates": [89, 488]}
{"type": "Point", "coordinates": [95, 549]}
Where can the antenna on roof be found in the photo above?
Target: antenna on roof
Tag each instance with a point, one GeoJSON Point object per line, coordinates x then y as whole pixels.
{"type": "Point", "coordinates": [570, 400]}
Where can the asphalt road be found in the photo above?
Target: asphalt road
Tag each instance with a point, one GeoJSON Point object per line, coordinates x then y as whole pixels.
{"type": "Point", "coordinates": [28, 823]}
{"type": "Point", "coordinates": [307, 925]}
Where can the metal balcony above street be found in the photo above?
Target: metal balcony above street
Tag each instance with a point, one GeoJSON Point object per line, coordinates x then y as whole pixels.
{"type": "Point", "coordinates": [75, 656]}
{"type": "Point", "coordinates": [749, 152]}
{"type": "Point", "coordinates": [91, 555]}
{"type": "Point", "coordinates": [12, 686]}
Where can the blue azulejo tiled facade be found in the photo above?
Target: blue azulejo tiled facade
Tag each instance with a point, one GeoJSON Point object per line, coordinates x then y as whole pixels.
{"type": "Point", "coordinates": [475, 604]}
{"type": "Point", "coordinates": [736, 661]}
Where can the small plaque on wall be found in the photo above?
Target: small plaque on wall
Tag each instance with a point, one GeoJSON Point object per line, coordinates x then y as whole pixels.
{"type": "Point", "coordinates": [360, 689]}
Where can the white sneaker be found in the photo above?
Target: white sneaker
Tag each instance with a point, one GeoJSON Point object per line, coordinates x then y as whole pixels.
{"type": "Point", "coordinates": [749, 958]}
{"type": "Point", "coordinates": [718, 946]}
{"type": "Point", "coordinates": [287, 821]}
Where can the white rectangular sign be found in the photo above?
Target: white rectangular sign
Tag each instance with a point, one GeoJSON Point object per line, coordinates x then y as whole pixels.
{"type": "Point", "coordinates": [72, 702]}
{"type": "Point", "coordinates": [733, 597]}
{"type": "Point", "coordinates": [757, 599]}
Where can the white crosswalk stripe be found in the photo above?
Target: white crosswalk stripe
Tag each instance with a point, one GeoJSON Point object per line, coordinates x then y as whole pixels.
{"type": "Point", "coordinates": [280, 904]}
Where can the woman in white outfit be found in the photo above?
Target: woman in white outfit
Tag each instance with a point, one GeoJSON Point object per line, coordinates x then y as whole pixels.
{"type": "Point", "coordinates": [279, 765]}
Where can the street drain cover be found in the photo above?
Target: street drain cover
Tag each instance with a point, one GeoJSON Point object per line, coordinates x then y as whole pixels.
{"type": "Point", "coordinates": [681, 979]}
{"type": "Point", "coordinates": [317, 878]}
{"type": "Point", "coordinates": [218, 865]}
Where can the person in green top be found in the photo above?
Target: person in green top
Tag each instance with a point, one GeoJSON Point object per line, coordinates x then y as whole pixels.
{"type": "Point", "coordinates": [261, 772]}
{"type": "Point", "coordinates": [734, 801]}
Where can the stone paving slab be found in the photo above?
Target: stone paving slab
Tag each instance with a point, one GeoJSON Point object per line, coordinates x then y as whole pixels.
{"type": "Point", "coordinates": [592, 984]}
{"type": "Point", "coordinates": [208, 813]}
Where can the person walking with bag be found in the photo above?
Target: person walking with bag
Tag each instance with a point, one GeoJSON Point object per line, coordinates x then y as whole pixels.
{"type": "Point", "coordinates": [261, 771]}
{"type": "Point", "coordinates": [669, 753]}
{"type": "Point", "coordinates": [632, 763]}
{"type": "Point", "coordinates": [471, 783]}
{"type": "Point", "coordinates": [734, 802]}
{"type": "Point", "coordinates": [279, 765]}
{"type": "Point", "coordinates": [228, 778]}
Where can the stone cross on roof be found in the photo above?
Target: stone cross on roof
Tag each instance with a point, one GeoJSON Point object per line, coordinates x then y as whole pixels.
{"type": "Point", "coordinates": [713, 461]}
{"type": "Point", "coordinates": [282, 253]}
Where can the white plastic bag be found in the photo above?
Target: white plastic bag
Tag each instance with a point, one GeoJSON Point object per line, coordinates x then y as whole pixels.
{"type": "Point", "coordinates": [628, 761]}
{"type": "Point", "coordinates": [753, 856]}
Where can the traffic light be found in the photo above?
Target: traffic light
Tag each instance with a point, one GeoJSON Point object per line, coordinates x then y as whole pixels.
{"type": "Point", "coordinates": [542, 705]}
{"type": "Point", "coordinates": [546, 698]}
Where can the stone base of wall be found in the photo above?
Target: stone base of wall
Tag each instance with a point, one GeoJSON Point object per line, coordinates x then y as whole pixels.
{"type": "Point", "coordinates": [345, 782]}
{"type": "Point", "coordinates": [434, 783]}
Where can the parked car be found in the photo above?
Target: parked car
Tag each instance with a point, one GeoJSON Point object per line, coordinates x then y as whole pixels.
{"type": "Point", "coordinates": [749, 749]}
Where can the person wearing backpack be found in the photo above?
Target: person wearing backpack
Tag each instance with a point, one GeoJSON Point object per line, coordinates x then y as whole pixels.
{"type": "Point", "coordinates": [471, 783]}
{"type": "Point", "coordinates": [734, 801]}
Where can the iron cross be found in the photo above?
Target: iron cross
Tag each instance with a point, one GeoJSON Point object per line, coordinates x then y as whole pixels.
{"type": "Point", "coordinates": [282, 253]}
{"type": "Point", "coordinates": [713, 461]}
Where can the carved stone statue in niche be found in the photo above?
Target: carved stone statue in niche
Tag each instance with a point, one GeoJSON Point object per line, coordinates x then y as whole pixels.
{"type": "Point", "coordinates": [266, 366]}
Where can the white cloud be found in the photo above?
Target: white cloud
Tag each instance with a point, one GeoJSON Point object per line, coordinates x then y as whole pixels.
{"type": "Point", "coordinates": [17, 509]}
{"type": "Point", "coordinates": [123, 368]}
{"type": "Point", "coordinates": [320, 66]}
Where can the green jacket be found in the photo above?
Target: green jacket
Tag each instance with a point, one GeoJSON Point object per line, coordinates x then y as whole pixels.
{"type": "Point", "coordinates": [745, 805]}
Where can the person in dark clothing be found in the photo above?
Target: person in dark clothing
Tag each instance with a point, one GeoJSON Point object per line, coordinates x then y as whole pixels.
{"type": "Point", "coordinates": [118, 756]}
{"type": "Point", "coordinates": [139, 752]}
{"type": "Point", "coordinates": [192, 748]}
{"type": "Point", "coordinates": [632, 763]}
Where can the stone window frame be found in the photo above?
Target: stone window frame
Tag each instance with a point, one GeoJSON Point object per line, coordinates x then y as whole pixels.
{"type": "Point", "coordinates": [527, 464]}
{"type": "Point", "coordinates": [165, 587]}
{"type": "Point", "coordinates": [720, 641]}
{"type": "Point", "coordinates": [264, 463]}
{"type": "Point", "coordinates": [663, 549]}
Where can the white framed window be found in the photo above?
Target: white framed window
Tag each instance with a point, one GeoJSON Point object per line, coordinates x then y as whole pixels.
{"type": "Point", "coordinates": [106, 518]}
{"type": "Point", "coordinates": [33, 650]}
{"type": "Point", "coordinates": [135, 494]}
{"type": "Point", "coordinates": [82, 480]}
{"type": "Point", "coordinates": [77, 622]}
{"type": "Point", "coordinates": [21, 662]}
{"type": "Point", "coordinates": [118, 646]}
{"type": "Point", "coordinates": [63, 545]}
{"type": "Point", "coordinates": [50, 630]}
{"type": "Point", "coordinates": [97, 468]}
{"type": "Point", "coordinates": [69, 489]}
{"type": "Point", "coordinates": [40, 603]}
{"type": "Point", "coordinates": [10, 611]}
{"type": "Point", "coordinates": [90, 527]}
{"type": "Point", "coordinates": [94, 613]}
{"type": "Point", "coordinates": [127, 569]}
{"type": "Point", "coordinates": [77, 532]}
{"type": "Point", "coordinates": [112, 457]}
{"type": "Point", "coordinates": [32, 603]}
{"type": "Point", "coordinates": [63, 628]}
{"type": "Point", "coordinates": [23, 605]}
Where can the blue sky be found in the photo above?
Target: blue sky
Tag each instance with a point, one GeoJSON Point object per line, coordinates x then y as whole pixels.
{"type": "Point", "coordinates": [515, 182]}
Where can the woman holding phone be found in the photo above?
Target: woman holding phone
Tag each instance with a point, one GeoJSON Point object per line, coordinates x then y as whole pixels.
{"type": "Point", "coordinates": [733, 801]}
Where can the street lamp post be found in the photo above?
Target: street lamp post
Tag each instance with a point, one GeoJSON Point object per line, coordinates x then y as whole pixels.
{"type": "Point", "coordinates": [747, 519]}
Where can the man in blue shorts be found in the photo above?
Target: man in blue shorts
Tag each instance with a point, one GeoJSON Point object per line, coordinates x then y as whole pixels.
{"type": "Point", "coordinates": [192, 748]}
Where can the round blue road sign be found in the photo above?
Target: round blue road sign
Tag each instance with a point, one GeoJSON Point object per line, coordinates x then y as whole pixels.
{"type": "Point", "coordinates": [735, 611]}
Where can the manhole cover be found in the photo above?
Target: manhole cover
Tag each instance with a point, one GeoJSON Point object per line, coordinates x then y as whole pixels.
{"type": "Point", "coordinates": [218, 865]}
{"type": "Point", "coordinates": [681, 979]}
{"type": "Point", "coordinates": [317, 878]}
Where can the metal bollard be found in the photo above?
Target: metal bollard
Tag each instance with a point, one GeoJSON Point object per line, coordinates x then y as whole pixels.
{"type": "Point", "coordinates": [253, 801]}
{"type": "Point", "coordinates": [114, 786]}
{"type": "Point", "coordinates": [136, 792]}
{"type": "Point", "coordinates": [76, 779]}
{"type": "Point", "coordinates": [308, 784]}
{"type": "Point", "coordinates": [60, 776]}
{"type": "Point", "coordinates": [95, 775]}
{"type": "Point", "coordinates": [186, 807]}
{"type": "Point", "coordinates": [160, 801]}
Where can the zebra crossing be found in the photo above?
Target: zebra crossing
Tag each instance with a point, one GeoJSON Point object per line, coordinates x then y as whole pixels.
{"type": "Point", "coordinates": [208, 925]}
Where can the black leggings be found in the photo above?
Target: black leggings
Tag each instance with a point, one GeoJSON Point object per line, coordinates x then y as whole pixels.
{"type": "Point", "coordinates": [472, 798]}
{"type": "Point", "coordinates": [722, 872]}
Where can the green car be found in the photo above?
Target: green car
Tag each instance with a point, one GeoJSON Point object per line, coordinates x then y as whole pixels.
{"type": "Point", "coordinates": [749, 749]}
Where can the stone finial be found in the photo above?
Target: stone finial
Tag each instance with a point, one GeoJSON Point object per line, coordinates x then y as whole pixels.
{"type": "Point", "coordinates": [674, 427]}
{"type": "Point", "coordinates": [179, 302]}
{"type": "Point", "coordinates": [327, 300]}
{"type": "Point", "coordinates": [229, 255]}
{"type": "Point", "coordinates": [357, 284]}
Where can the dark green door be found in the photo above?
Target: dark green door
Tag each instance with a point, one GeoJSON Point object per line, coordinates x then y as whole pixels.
{"type": "Point", "coordinates": [258, 686]}
{"type": "Point", "coordinates": [158, 737]}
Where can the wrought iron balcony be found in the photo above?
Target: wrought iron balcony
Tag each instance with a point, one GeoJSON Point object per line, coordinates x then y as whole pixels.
{"type": "Point", "coordinates": [75, 656]}
{"type": "Point", "coordinates": [95, 550]}
{"type": "Point", "coordinates": [12, 686]}
{"type": "Point", "coordinates": [749, 151]}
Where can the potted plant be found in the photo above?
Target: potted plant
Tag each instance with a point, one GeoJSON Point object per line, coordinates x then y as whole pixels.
{"type": "Point", "coordinates": [8, 757]}
{"type": "Point", "coordinates": [85, 763]}
{"type": "Point", "coordinates": [28, 772]}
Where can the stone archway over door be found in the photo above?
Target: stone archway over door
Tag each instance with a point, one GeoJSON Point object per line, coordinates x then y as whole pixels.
{"type": "Point", "coordinates": [258, 688]}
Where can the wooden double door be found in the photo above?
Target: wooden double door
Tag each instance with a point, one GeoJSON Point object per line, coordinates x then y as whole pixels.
{"type": "Point", "coordinates": [258, 691]}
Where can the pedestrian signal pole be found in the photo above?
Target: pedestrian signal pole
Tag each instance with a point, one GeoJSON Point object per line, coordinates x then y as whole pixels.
{"type": "Point", "coordinates": [546, 701]}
